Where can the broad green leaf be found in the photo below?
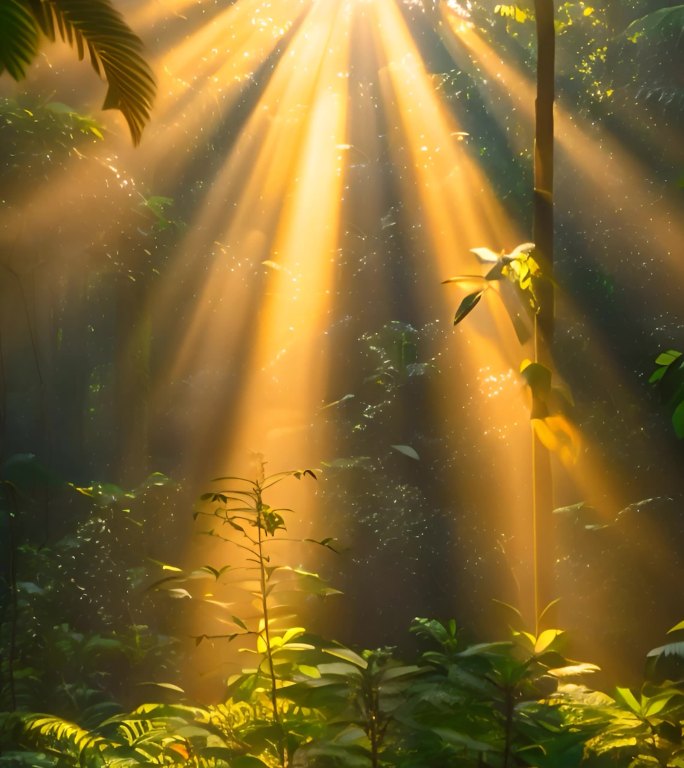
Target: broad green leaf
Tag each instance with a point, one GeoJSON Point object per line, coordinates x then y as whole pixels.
{"type": "Point", "coordinates": [407, 451]}
{"type": "Point", "coordinates": [467, 305]}
{"type": "Point", "coordinates": [397, 672]}
{"type": "Point", "coordinates": [309, 671]}
{"type": "Point", "coordinates": [348, 655]}
{"type": "Point", "coordinates": [668, 357]}
{"type": "Point", "coordinates": [626, 697]}
{"type": "Point", "coordinates": [461, 739]}
{"type": "Point", "coordinates": [656, 705]}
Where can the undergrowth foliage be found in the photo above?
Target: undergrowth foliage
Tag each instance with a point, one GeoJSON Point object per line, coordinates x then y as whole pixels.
{"type": "Point", "coordinates": [305, 702]}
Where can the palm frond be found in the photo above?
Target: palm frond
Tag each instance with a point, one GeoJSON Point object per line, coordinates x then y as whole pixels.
{"type": "Point", "coordinates": [18, 38]}
{"type": "Point", "coordinates": [115, 51]}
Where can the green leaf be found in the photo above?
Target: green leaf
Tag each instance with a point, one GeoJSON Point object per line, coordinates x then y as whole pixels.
{"type": "Point", "coordinates": [18, 38]}
{"type": "Point", "coordinates": [668, 357]}
{"type": "Point", "coordinates": [115, 51]}
{"type": "Point", "coordinates": [678, 420]}
{"type": "Point", "coordinates": [237, 620]}
{"type": "Point", "coordinates": [626, 697]}
{"type": "Point", "coordinates": [463, 740]}
{"type": "Point", "coordinates": [348, 655]}
{"type": "Point", "coordinates": [467, 306]}
{"type": "Point", "coordinates": [407, 451]}
{"type": "Point", "coordinates": [657, 704]}
{"type": "Point", "coordinates": [657, 375]}
{"type": "Point", "coordinates": [166, 686]}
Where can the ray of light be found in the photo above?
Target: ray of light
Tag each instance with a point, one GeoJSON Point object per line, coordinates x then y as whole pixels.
{"type": "Point", "coordinates": [284, 221]}
{"type": "Point", "coordinates": [248, 200]}
{"type": "Point", "coordinates": [604, 170]}
{"type": "Point", "coordinates": [272, 216]}
{"type": "Point", "coordinates": [508, 91]}
{"type": "Point", "coordinates": [450, 207]}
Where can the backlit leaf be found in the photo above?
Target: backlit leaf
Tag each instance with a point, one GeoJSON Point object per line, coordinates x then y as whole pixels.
{"type": "Point", "coordinates": [166, 686]}
{"type": "Point", "coordinates": [178, 593]}
{"type": "Point", "coordinates": [626, 697]}
{"type": "Point", "coordinates": [486, 255]}
{"type": "Point", "coordinates": [546, 640]}
{"type": "Point", "coordinates": [348, 655]}
{"type": "Point", "coordinates": [407, 451]}
{"type": "Point", "coordinates": [668, 357]}
{"type": "Point", "coordinates": [467, 305]}
{"type": "Point", "coordinates": [678, 420]}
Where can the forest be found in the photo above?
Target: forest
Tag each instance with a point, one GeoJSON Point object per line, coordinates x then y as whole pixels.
{"type": "Point", "coordinates": [341, 384]}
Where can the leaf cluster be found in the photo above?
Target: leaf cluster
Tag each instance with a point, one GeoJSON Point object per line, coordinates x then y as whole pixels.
{"type": "Point", "coordinates": [95, 28]}
{"type": "Point", "coordinates": [516, 702]}
{"type": "Point", "coordinates": [669, 379]}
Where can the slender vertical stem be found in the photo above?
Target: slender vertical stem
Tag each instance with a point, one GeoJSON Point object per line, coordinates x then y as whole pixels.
{"type": "Point", "coordinates": [261, 527]}
{"type": "Point", "coordinates": [543, 229]}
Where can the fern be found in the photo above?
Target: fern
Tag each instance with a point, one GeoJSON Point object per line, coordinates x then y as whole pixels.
{"type": "Point", "coordinates": [95, 26]}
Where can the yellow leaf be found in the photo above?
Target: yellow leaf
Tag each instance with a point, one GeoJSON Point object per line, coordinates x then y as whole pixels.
{"type": "Point", "coordinates": [559, 436]}
{"type": "Point", "coordinates": [545, 639]}
{"type": "Point", "coordinates": [588, 11]}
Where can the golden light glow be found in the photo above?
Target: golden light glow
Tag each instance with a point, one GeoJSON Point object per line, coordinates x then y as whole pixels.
{"type": "Point", "coordinates": [309, 128]}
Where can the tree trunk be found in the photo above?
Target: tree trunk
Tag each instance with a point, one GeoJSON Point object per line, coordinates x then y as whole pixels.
{"type": "Point", "coordinates": [543, 544]}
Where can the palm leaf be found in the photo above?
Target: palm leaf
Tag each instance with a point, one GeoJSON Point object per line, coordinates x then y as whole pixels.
{"type": "Point", "coordinates": [115, 52]}
{"type": "Point", "coordinates": [18, 38]}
